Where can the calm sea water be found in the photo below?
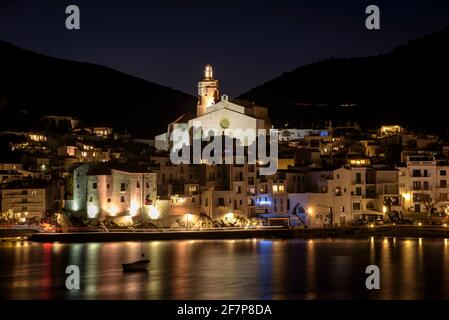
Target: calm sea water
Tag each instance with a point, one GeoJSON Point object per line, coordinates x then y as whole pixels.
{"type": "Point", "coordinates": [229, 269]}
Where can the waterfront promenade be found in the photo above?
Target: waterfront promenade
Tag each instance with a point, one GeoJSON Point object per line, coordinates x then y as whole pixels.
{"type": "Point", "coordinates": [280, 233]}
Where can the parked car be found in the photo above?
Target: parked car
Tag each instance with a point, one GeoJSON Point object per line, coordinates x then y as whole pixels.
{"type": "Point", "coordinates": [378, 221]}
{"type": "Point", "coordinates": [359, 223]}
{"type": "Point", "coordinates": [404, 221]}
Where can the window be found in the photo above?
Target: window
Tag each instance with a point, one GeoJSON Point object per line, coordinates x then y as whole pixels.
{"type": "Point", "coordinates": [416, 185]}
{"type": "Point", "coordinates": [426, 185]}
{"type": "Point", "coordinates": [416, 197]}
{"type": "Point", "coordinates": [275, 189]}
{"type": "Point", "coordinates": [342, 209]}
{"type": "Point", "coordinates": [109, 200]}
{"type": "Point", "coordinates": [91, 199]}
{"type": "Point", "coordinates": [358, 191]}
{"type": "Point", "coordinates": [78, 186]}
{"type": "Point", "coordinates": [241, 202]}
{"type": "Point", "coordinates": [442, 172]}
{"type": "Point", "coordinates": [94, 185]}
{"type": "Point", "coordinates": [443, 197]}
{"type": "Point", "coordinates": [337, 191]}
{"type": "Point", "coordinates": [442, 183]}
{"type": "Point", "coordinates": [358, 178]}
{"type": "Point", "coordinates": [138, 184]}
{"type": "Point", "coordinates": [206, 202]}
{"type": "Point", "coordinates": [193, 199]}
{"type": "Point", "coordinates": [356, 206]}
{"type": "Point", "coordinates": [417, 208]}
{"type": "Point", "coordinates": [147, 185]}
{"type": "Point", "coordinates": [192, 189]}
{"type": "Point", "coordinates": [281, 188]}
{"type": "Point", "coordinates": [122, 199]}
{"type": "Point", "coordinates": [107, 186]}
{"type": "Point", "coordinates": [122, 187]}
{"type": "Point", "coordinates": [416, 173]}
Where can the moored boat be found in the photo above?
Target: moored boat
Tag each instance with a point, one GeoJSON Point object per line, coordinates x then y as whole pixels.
{"type": "Point", "coordinates": [140, 265]}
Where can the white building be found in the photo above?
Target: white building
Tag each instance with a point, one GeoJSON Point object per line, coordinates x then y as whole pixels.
{"type": "Point", "coordinates": [424, 183]}
{"type": "Point", "coordinates": [220, 116]}
{"type": "Point", "coordinates": [348, 193]}
{"type": "Point", "coordinates": [28, 201]}
{"type": "Point", "coordinates": [108, 190]}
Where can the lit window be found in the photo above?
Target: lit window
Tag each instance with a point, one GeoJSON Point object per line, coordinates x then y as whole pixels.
{"type": "Point", "coordinates": [275, 189]}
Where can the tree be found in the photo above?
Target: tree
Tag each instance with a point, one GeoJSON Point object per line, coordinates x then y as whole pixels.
{"type": "Point", "coordinates": [428, 202]}
{"type": "Point", "coordinates": [8, 217]}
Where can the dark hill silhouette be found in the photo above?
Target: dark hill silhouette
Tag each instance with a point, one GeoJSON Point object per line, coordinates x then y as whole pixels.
{"type": "Point", "coordinates": [33, 84]}
{"type": "Point", "coordinates": [408, 86]}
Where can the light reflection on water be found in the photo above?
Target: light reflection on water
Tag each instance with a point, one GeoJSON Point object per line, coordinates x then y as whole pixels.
{"type": "Point", "coordinates": [229, 269]}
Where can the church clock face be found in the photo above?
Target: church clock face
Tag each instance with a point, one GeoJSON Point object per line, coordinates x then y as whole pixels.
{"type": "Point", "coordinates": [224, 123]}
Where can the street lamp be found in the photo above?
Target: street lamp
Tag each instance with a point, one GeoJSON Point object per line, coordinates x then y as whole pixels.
{"type": "Point", "coordinates": [188, 215]}
{"type": "Point", "coordinates": [154, 212]}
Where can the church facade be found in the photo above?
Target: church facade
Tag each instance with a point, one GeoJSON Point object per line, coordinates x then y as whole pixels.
{"type": "Point", "coordinates": [217, 116]}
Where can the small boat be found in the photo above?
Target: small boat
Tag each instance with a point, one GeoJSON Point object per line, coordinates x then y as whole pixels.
{"type": "Point", "coordinates": [136, 266]}
{"type": "Point", "coordinates": [140, 265]}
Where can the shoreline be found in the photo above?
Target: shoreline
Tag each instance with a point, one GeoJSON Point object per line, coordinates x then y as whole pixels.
{"type": "Point", "coordinates": [346, 232]}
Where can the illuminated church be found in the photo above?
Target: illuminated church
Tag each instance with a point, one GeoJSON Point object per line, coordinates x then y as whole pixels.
{"type": "Point", "coordinates": [218, 114]}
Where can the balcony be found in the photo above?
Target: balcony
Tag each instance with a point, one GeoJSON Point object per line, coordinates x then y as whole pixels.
{"type": "Point", "coordinates": [420, 175]}
{"type": "Point", "coordinates": [414, 188]}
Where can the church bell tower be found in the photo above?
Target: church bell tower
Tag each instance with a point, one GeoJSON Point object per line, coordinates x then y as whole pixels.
{"type": "Point", "coordinates": [207, 91]}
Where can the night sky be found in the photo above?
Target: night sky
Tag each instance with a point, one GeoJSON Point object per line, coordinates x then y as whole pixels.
{"type": "Point", "coordinates": [247, 42]}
